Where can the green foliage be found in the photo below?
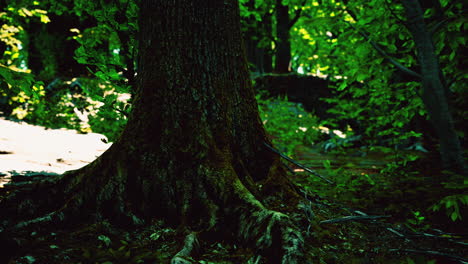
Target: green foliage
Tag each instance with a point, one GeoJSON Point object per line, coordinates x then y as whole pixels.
{"type": "Point", "coordinates": [351, 187]}
{"type": "Point", "coordinates": [109, 50]}
{"type": "Point", "coordinates": [112, 116]}
{"type": "Point", "coordinates": [105, 240]}
{"type": "Point", "coordinates": [452, 205]}
{"type": "Point", "coordinates": [417, 222]}
{"type": "Point", "coordinates": [456, 203]}
{"type": "Point", "coordinates": [17, 85]}
{"type": "Point", "coordinates": [288, 124]}
{"type": "Point", "coordinates": [400, 160]}
{"type": "Point", "coordinates": [339, 40]}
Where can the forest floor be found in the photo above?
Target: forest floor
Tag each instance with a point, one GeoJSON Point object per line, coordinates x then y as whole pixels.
{"type": "Point", "coordinates": [367, 223]}
{"type": "Point", "coordinates": [30, 149]}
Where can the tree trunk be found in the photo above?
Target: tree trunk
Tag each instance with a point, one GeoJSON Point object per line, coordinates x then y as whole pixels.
{"type": "Point", "coordinates": [283, 45]}
{"type": "Point", "coordinates": [268, 52]}
{"type": "Point", "coordinates": [193, 150]}
{"type": "Point", "coordinates": [434, 94]}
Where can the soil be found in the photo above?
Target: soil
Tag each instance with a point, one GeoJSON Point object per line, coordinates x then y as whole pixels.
{"type": "Point", "coordinates": [350, 237]}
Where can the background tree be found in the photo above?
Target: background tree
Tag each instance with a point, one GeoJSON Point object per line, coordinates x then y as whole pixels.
{"type": "Point", "coordinates": [193, 152]}
{"type": "Point", "coordinates": [257, 24]}
{"type": "Point", "coordinates": [284, 23]}
{"type": "Point", "coordinates": [434, 93]}
{"type": "Point", "coordinates": [348, 42]}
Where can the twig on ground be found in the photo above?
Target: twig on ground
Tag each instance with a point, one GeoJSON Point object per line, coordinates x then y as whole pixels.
{"type": "Point", "coordinates": [440, 236]}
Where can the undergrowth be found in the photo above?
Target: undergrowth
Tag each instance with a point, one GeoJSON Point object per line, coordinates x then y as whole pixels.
{"type": "Point", "coordinates": [401, 185]}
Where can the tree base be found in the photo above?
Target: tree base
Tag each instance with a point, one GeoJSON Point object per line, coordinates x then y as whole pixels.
{"type": "Point", "coordinates": [68, 201]}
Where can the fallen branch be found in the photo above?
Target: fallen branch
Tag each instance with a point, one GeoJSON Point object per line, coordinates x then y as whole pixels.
{"type": "Point", "coordinates": [448, 237]}
{"type": "Point", "coordinates": [297, 163]}
{"type": "Point", "coordinates": [353, 218]}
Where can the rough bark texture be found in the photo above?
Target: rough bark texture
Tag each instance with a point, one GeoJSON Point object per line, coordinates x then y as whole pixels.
{"type": "Point", "coordinates": [434, 95]}
{"type": "Point", "coordinates": [193, 151]}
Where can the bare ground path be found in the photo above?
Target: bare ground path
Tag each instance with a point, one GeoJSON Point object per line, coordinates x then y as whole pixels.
{"type": "Point", "coordinates": [29, 148]}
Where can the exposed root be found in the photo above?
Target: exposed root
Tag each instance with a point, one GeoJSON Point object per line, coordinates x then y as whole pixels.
{"type": "Point", "coordinates": [52, 217]}
{"type": "Point", "coordinates": [271, 232]}
{"type": "Point", "coordinates": [274, 234]}
{"type": "Point", "coordinates": [191, 245]}
{"type": "Point", "coordinates": [206, 204]}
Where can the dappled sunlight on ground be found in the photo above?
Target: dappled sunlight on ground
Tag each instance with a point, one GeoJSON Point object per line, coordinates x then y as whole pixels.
{"type": "Point", "coordinates": [25, 147]}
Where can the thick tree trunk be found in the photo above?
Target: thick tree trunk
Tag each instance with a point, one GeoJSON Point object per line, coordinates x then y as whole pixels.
{"type": "Point", "coordinates": [283, 45]}
{"type": "Point", "coordinates": [434, 95]}
{"type": "Point", "coordinates": [193, 151]}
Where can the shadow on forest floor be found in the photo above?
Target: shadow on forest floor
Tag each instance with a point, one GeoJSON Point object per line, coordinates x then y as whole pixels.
{"type": "Point", "coordinates": [334, 231]}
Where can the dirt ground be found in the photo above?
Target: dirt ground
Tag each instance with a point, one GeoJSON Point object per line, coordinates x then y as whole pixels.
{"type": "Point", "coordinates": [28, 148]}
{"type": "Point", "coordinates": [333, 233]}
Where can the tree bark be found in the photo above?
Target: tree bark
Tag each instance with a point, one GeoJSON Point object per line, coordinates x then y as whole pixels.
{"type": "Point", "coordinates": [193, 150]}
{"type": "Point", "coordinates": [433, 91]}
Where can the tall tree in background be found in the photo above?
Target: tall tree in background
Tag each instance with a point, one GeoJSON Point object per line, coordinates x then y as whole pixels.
{"type": "Point", "coordinates": [257, 27]}
{"type": "Point", "coordinates": [283, 42]}
{"type": "Point", "coordinates": [193, 152]}
{"type": "Point", "coordinates": [434, 93]}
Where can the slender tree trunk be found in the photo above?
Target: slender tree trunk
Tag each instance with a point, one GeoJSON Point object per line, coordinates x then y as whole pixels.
{"type": "Point", "coordinates": [255, 34]}
{"type": "Point", "coordinates": [434, 94]}
{"type": "Point", "coordinates": [193, 150]}
{"type": "Point", "coordinates": [268, 52]}
{"type": "Point", "coordinates": [283, 45]}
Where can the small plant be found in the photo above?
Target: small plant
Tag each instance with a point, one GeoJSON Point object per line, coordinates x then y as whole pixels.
{"type": "Point", "coordinates": [105, 240]}
{"type": "Point", "coordinates": [417, 218]}
{"type": "Point", "coordinates": [452, 205]}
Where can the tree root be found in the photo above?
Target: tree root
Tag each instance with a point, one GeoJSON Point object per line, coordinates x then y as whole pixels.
{"type": "Point", "coordinates": [191, 245]}
{"type": "Point", "coordinates": [272, 233]}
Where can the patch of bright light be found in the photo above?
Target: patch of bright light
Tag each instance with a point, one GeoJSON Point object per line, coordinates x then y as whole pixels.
{"type": "Point", "coordinates": [300, 70]}
{"type": "Point", "coordinates": [339, 133]}
{"type": "Point", "coordinates": [326, 130]}
{"type": "Point", "coordinates": [23, 65]}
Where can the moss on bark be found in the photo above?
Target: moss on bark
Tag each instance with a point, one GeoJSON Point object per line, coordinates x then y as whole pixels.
{"type": "Point", "coordinates": [192, 153]}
